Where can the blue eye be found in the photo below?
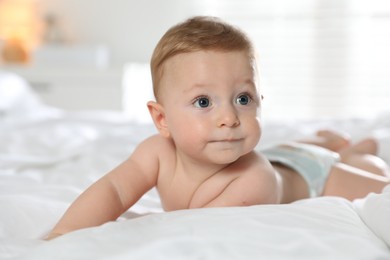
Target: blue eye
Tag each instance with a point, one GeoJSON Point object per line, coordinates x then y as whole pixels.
{"type": "Point", "coordinates": [202, 102]}
{"type": "Point", "coordinates": [243, 99]}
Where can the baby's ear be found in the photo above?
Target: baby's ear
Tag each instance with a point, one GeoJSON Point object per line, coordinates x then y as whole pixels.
{"type": "Point", "coordinates": [158, 115]}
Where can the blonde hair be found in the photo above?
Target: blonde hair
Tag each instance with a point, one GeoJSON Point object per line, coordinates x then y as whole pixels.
{"type": "Point", "coordinates": [197, 34]}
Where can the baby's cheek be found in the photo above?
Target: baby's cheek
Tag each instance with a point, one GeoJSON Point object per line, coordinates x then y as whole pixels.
{"type": "Point", "coordinates": [192, 135]}
{"type": "Point", "coordinates": [255, 134]}
{"type": "Point", "coordinates": [258, 129]}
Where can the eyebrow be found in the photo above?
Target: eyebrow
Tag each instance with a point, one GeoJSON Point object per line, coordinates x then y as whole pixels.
{"type": "Point", "coordinates": [194, 87]}
{"type": "Point", "coordinates": [249, 82]}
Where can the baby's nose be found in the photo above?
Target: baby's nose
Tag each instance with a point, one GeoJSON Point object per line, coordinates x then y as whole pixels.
{"type": "Point", "coordinates": [228, 117]}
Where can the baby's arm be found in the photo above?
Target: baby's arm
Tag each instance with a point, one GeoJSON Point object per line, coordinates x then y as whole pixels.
{"type": "Point", "coordinates": [114, 193]}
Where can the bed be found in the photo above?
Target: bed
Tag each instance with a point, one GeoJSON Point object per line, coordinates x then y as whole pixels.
{"type": "Point", "coordinates": [49, 156]}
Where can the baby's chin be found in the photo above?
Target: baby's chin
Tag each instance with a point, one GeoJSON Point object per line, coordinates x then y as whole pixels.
{"type": "Point", "coordinates": [226, 158]}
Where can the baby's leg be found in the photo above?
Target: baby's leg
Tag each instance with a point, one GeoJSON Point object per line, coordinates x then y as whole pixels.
{"type": "Point", "coordinates": [362, 155]}
{"type": "Point", "coordinates": [352, 183]}
{"type": "Point", "coordinates": [329, 139]}
{"type": "Point", "coordinates": [333, 140]}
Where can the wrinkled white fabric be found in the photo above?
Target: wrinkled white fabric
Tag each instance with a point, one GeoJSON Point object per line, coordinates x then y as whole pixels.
{"type": "Point", "coordinates": [48, 159]}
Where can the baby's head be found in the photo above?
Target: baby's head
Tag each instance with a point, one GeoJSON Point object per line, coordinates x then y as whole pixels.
{"type": "Point", "coordinates": [205, 84]}
{"type": "Point", "coordinates": [199, 33]}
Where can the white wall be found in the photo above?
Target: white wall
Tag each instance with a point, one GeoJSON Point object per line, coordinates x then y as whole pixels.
{"type": "Point", "coordinates": [319, 58]}
{"type": "Point", "coordinates": [130, 28]}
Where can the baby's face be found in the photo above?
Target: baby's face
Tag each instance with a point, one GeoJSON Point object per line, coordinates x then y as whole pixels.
{"type": "Point", "coordinates": [211, 101]}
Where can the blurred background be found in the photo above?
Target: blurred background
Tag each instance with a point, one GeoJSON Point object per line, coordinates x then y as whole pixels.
{"type": "Point", "coordinates": [318, 58]}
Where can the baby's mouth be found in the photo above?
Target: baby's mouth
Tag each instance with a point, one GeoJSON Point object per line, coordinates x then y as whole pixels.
{"type": "Point", "coordinates": [227, 140]}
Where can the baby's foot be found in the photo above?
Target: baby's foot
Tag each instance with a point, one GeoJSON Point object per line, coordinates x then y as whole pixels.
{"type": "Point", "coordinates": [333, 140]}
{"type": "Point", "coordinates": [368, 145]}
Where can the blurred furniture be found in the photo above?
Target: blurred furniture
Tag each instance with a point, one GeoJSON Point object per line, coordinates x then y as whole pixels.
{"type": "Point", "coordinates": [75, 88]}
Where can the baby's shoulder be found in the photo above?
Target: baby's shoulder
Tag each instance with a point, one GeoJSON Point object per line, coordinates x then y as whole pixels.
{"type": "Point", "coordinates": [158, 139]}
{"type": "Point", "coordinates": [255, 166]}
{"type": "Point", "coordinates": [157, 144]}
{"type": "Point", "coordinates": [260, 178]}
{"type": "Point", "coordinates": [256, 160]}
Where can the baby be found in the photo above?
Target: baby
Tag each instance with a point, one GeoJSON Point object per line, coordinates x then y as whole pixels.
{"type": "Point", "coordinates": [205, 83]}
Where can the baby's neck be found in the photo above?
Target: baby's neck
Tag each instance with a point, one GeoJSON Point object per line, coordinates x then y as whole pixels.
{"type": "Point", "coordinates": [199, 171]}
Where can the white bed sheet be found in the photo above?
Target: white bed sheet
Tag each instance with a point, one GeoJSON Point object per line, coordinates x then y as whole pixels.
{"type": "Point", "coordinates": [47, 160]}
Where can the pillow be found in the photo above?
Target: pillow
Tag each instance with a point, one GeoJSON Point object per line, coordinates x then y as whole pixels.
{"type": "Point", "coordinates": [17, 98]}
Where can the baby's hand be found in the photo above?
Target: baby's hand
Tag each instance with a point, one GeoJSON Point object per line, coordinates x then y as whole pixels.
{"type": "Point", "coordinates": [51, 236]}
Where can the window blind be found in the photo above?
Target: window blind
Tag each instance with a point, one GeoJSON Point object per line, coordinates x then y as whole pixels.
{"type": "Point", "coordinates": [318, 58]}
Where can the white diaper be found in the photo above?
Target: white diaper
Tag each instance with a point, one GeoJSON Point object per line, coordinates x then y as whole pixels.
{"type": "Point", "coordinates": [312, 162]}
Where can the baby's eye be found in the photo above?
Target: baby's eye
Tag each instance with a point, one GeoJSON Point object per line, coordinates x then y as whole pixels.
{"type": "Point", "coordinates": [243, 99]}
{"type": "Point", "coordinates": [202, 102]}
